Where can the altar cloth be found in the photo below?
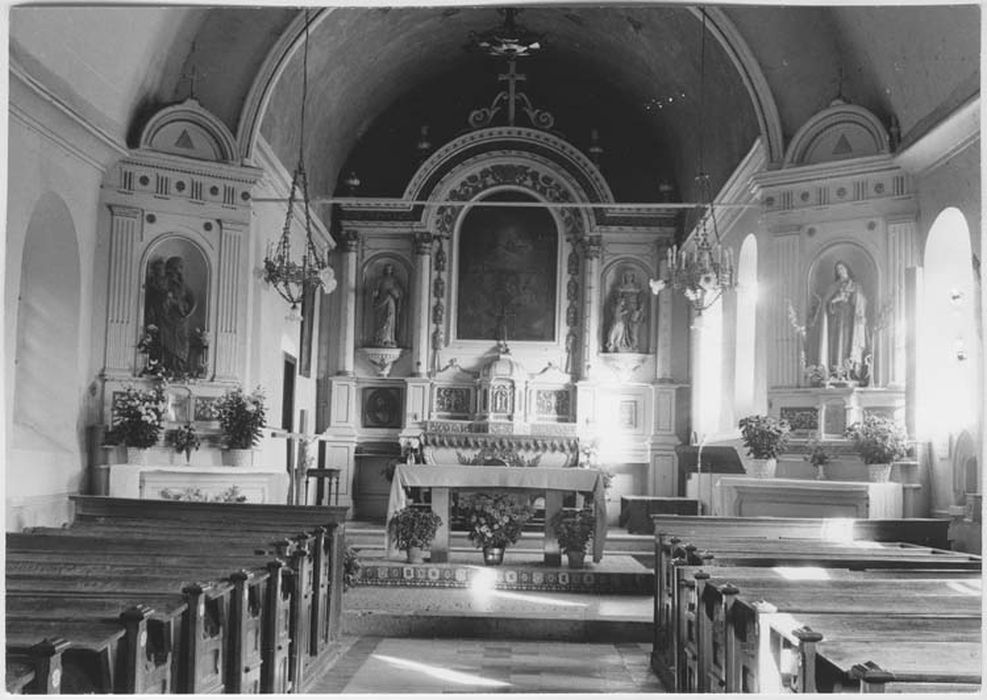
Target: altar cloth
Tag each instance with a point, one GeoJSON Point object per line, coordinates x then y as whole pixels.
{"type": "Point", "coordinates": [458, 476]}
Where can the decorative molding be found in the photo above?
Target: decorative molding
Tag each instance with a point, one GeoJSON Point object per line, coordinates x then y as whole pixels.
{"type": "Point", "coordinates": [91, 143]}
{"type": "Point", "coordinates": [190, 114]}
{"type": "Point", "coordinates": [738, 190]}
{"type": "Point", "coordinates": [938, 146]}
{"type": "Point", "coordinates": [839, 117]}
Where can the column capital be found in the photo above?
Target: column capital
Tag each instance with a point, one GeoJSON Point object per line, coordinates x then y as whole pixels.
{"type": "Point", "coordinates": [422, 242]}
{"type": "Point", "coordinates": [350, 241]}
{"type": "Point", "coordinates": [592, 247]}
{"type": "Point", "coordinates": [123, 210]}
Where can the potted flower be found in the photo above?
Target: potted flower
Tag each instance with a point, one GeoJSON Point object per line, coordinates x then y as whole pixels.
{"type": "Point", "coordinates": [574, 529]}
{"type": "Point", "coordinates": [241, 420]}
{"type": "Point", "coordinates": [413, 529]}
{"type": "Point", "coordinates": [765, 437]}
{"type": "Point", "coordinates": [495, 521]}
{"type": "Point", "coordinates": [138, 418]}
{"type": "Point", "coordinates": [817, 456]}
{"type": "Point", "coordinates": [879, 441]}
{"type": "Point", "coordinates": [186, 440]}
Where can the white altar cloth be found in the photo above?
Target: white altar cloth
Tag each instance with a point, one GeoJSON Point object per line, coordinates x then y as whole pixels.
{"type": "Point", "coordinates": [458, 476]}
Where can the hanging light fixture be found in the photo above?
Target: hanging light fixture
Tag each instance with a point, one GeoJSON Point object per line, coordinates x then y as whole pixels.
{"type": "Point", "coordinates": [293, 278]}
{"type": "Point", "coordinates": [703, 270]}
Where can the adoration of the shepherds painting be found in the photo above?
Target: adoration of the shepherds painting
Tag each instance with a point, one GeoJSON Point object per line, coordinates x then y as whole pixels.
{"type": "Point", "coordinates": [507, 273]}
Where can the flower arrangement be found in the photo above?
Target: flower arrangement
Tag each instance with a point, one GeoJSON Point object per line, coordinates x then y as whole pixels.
{"type": "Point", "coordinates": [495, 520]}
{"type": "Point", "coordinates": [816, 455]}
{"type": "Point", "coordinates": [241, 418]}
{"type": "Point", "coordinates": [230, 495]}
{"type": "Point", "coordinates": [878, 440]}
{"type": "Point", "coordinates": [816, 375]}
{"type": "Point", "coordinates": [574, 528]}
{"type": "Point", "coordinates": [186, 440]}
{"type": "Point", "coordinates": [138, 417]}
{"type": "Point", "coordinates": [764, 437]}
{"type": "Point", "coordinates": [413, 527]}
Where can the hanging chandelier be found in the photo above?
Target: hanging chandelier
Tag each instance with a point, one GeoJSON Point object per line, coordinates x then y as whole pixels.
{"type": "Point", "coordinates": [704, 269]}
{"type": "Point", "coordinates": [293, 278]}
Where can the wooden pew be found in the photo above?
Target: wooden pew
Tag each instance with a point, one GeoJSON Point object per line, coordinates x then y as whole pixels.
{"type": "Point", "coordinates": [36, 669]}
{"type": "Point", "coordinates": [723, 650]}
{"type": "Point", "coordinates": [816, 652]}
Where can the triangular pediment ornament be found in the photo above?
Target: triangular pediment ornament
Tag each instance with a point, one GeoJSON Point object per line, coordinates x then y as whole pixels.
{"type": "Point", "coordinates": [842, 147]}
{"type": "Point", "coordinates": [185, 141]}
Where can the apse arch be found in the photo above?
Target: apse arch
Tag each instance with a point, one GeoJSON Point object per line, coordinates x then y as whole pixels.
{"type": "Point", "coordinates": [949, 348]}
{"type": "Point", "coordinates": [47, 338]}
{"type": "Point", "coordinates": [746, 321]}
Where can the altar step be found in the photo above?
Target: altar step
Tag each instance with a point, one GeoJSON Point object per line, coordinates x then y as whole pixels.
{"type": "Point", "coordinates": [487, 609]}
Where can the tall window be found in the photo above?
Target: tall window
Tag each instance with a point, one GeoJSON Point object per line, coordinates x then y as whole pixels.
{"type": "Point", "coordinates": [949, 347]}
{"type": "Point", "coordinates": [746, 327]}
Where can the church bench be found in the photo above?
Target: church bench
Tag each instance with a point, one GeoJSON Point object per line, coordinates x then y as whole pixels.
{"type": "Point", "coordinates": [715, 652]}
{"type": "Point", "coordinates": [205, 625]}
{"type": "Point", "coordinates": [37, 669]}
{"type": "Point", "coordinates": [930, 532]}
{"type": "Point", "coordinates": [816, 652]}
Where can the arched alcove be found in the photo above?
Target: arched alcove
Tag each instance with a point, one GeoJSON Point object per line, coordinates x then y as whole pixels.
{"type": "Point", "coordinates": [746, 327]}
{"type": "Point", "coordinates": [45, 413]}
{"type": "Point", "coordinates": [949, 352]}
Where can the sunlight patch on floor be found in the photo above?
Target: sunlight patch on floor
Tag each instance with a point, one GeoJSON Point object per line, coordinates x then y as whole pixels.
{"type": "Point", "coordinates": [442, 674]}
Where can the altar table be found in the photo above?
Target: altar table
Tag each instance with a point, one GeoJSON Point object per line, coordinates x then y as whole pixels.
{"type": "Point", "coordinates": [553, 482]}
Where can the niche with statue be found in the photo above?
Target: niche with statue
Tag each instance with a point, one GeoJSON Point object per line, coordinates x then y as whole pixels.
{"type": "Point", "coordinates": [385, 312]}
{"type": "Point", "coordinates": [174, 339]}
{"type": "Point", "coordinates": [626, 311]}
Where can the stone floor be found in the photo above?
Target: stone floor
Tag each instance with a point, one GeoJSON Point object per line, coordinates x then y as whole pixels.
{"type": "Point", "coordinates": [381, 665]}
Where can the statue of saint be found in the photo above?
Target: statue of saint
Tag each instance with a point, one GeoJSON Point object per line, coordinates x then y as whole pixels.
{"type": "Point", "coordinates": [387, 308]}
{"type": "Point", "coordinates": [176, 306]}
{"type": "Point", "coordinates": [842, 315]}
{"type": "Point", "coordinates": [627, 316]}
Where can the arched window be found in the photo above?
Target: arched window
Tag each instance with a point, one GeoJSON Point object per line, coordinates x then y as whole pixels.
{"type": "Point", "coordinates": [746, 327]}
{"type": "Point", "coordinates": [948, 351]}
{"type": "Point", "coordinates": [707, 376]}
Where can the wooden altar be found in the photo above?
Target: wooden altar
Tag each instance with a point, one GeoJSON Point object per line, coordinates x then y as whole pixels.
{"type": "Point", "coordinates": [553, 482]}
{"type": "Point", "coordinates": [747, 496]}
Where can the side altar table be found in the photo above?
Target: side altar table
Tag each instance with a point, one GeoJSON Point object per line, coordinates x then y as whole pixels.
{"type": "Point", "coordinates": [554, 483]}
{"type": "Point", "coordinates": [788, 498]}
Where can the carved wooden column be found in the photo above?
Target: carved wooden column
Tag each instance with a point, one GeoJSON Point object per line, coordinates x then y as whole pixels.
{"type": "Point", "coordinates": [422, 243]}
{"type": "Point", "coordinates": [592, 247]}
{"type": "Point", "coordinates": [347, 304]}
{"type": "Point", "coordinates": [901, 256]}
{"type": "Point", "coordinates": [121, 333]}
{"type": "Point", "coordinates": [229, 300]}
{"type": "Point", "coordinates": [783, 363]}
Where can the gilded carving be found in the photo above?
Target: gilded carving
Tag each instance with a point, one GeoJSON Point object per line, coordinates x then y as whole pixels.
{"type": "Point", "coordinates": [454, 400]}
{"type": "Point", "coordinates": [552, 402]}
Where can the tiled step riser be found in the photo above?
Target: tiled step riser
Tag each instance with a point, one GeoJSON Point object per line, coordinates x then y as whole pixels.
{"type": "Point", "coordinates": [436, 627]}
{"type": "Point", "coordinates": [374, 539]}
{"type": "Point", "coordinates": [506, 578]}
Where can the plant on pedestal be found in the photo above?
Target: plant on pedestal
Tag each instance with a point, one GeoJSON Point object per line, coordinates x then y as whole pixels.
{"type": "Point", "coordinates": [495, 521]}
{"type": "Point", "coordinates": [138, 418]}
{"type": "Point", "coordinates": [186, 440]}
{"type": "Point", "coordinates": [241, 420]}
{"type": "Point", "coordinates": [765, 437]}
{"type": "Point", "coordinates": [574, 529]}
{"type": "Point", "coordinates": [413, 529]}
{"type": "Point", "coordinates": [879, 441]}
{"type": "Point", "coordinates": [817, 456]}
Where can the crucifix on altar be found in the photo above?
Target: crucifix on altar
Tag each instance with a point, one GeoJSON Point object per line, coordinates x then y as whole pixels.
{"type": "Point", "coordinates": [302, 468]}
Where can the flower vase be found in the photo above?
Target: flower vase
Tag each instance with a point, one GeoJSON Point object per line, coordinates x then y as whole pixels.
{"type": "Point", "coordinates": [136, 455]}
{"type": "Point", "coordinates": [577, 560]}
{"type": "Point", "coordinates": [878, 473]}
{"type": "Point", "coordinates": [493, 556]}
{"type": "Point", "coordinates": [415, 555]}
{"type": "Point", "coordinates": [761, 468]}
{"type": "Point", "coordinates": [238, 458]}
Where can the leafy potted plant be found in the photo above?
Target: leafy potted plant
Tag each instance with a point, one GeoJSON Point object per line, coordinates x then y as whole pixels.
{"type": "Point", "coordinates": [879, 441]}
{"type": "Point", "coordinates": [817, 456]}
{"type": "Point", "coordinates": [413, 529]}
{"type": "Point", "coordinates": [495, 521]}
{"type": "Point", "coordinates": [241, 420]}
{"type": "Point", "coordinates": [574, 529]}
{"type": "Point", "coordinates": [138, 418]}
{"type": "Point", "coordinates": [765, 437]}
{"type": "Point", "coordinates": [186, 440]}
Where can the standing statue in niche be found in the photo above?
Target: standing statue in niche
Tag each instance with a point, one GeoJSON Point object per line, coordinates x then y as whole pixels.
{"type": "Point", "coordinates": [176, 306]}
{"type": "Point", "coordinates": [387, 308]}
{"type": "Point", "coordinates": [842, 315]}
{"type": "Point", "coordinates": [627, 316]}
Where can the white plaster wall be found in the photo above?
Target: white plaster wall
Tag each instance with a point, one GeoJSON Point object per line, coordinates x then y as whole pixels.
{"type": "Point", "coordinates": [40, 473]}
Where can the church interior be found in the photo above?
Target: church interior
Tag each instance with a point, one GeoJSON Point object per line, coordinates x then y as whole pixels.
{"type": "Point", "coordinates": [698, 286]}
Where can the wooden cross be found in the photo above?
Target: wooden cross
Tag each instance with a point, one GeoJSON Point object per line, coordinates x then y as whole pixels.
{"type": "Point", "coordinates": [192, 76]}
{"type": "Point", "coordinates": [513, 78]}
{"type": "Point", "coordinates": [305, 455]}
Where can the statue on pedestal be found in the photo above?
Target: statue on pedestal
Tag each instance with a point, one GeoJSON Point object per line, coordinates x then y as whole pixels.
{"type": "Point", "coordinates": [387, 308]}
{"type": "Point", "coordinates": [169, 303]}
{"type": "Point", "coordinates": [842, 326]}
{"type": "Point", "coordinates": [627, 316]}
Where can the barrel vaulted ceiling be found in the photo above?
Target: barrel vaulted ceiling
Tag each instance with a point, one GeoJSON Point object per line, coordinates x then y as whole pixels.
{"type": "Point", "coordinates": [377, 74]}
